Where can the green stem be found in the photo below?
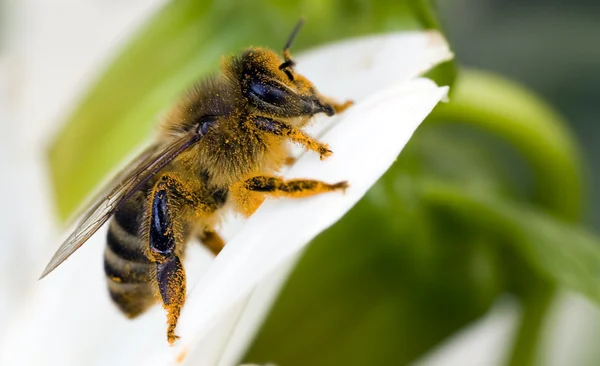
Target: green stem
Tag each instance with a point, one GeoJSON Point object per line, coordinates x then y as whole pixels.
{"type": "Point", "coordinates": [535, 307]}
{"type": "Point", "coordinates": [425, 14]}
{"type": "Point", "coordinates": [530, 126]}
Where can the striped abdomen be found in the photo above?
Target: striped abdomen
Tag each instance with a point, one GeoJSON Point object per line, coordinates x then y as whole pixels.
{"type": "Point", "coordinates": [127, 269]}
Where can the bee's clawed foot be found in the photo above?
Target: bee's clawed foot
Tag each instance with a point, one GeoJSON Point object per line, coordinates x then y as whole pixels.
{"type": "Point", "coordinates": [324, 152]}
{"type": "Point", "coordinates": [339, 108]}
{"type": "Point", "coordinates": [172, 337]}
{"type": "Point", "coordinates": [340, 186]}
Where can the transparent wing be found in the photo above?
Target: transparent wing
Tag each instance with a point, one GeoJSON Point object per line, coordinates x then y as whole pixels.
{"type": "Point", "coordinates": [139, 161]}
{"type": "Point", "coordinates": [119, 189]}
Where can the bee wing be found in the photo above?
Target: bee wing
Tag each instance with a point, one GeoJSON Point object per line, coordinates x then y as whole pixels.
{"type": "Point", "coordinates": [130, 169]}
{"type": "Point", "coordinates": [127, 182]}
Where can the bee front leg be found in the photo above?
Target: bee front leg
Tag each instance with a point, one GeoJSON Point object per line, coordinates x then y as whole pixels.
{"type": "Point", "coordinates": [337, 107]}
{"type": "Point", "coordinates": [298, 136]}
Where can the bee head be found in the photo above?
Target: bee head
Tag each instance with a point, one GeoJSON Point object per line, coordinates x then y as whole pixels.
{"type": "Point", "coordinates": [271, 85]}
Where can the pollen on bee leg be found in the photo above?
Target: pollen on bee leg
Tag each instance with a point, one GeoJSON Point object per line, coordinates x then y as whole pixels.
{"type": "Point", "coordinates": [340, 107]}
{"type": "Point", "coordinates": [246, 201]}
{"type": "Point", "coordinates": [171, 285]}
{"type": "Point", "coordinates": [312, 144]}
{"type": "Point", "coordinates": [279, 187]}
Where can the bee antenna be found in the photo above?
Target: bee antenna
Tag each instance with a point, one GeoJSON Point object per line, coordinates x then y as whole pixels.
{"type": "Point", "coordinates": [286, 49]}
{"type": "Point", "coordinates": [293, 35]}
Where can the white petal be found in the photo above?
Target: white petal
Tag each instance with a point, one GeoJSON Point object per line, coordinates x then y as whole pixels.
{"type": "Point", "coordinates": [356, 68]}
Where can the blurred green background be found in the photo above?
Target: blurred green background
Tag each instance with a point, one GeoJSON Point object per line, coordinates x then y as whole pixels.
{"type": "Point", "coordinates": [548, 46]}
{"type": "Point", "coordinates": [493, 197]}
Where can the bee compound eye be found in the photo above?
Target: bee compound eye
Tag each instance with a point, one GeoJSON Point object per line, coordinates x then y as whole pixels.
{"type": "Point", "coordinates": [205, 123]}
{"type": "Point", "coordinates": [205, 127]}
{"type": "Point", "coordinates": [267, 93]}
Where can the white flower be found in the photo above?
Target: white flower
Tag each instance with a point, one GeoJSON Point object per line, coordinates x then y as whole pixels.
{"type": "Point", "coordinates": [69, 319]}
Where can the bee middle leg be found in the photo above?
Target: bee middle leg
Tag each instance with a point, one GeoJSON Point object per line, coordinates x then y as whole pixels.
{"type": "Point", "coordinates": [169, 214]}
{"type": "Point", "coordinates": [212, 240]}
{"type": "Point", "coordinates": [278, 186]}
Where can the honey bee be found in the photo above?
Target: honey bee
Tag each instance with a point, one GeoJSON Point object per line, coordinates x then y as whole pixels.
{"type": "Point", "coordinates": [218, 148]}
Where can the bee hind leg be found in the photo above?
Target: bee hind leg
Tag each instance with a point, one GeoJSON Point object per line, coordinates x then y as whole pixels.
{"type": "Point", "coordinates": [167, 217]}
{"type": "Point", "coordinates": [171, 285]}
{"type": "Point", "coordinates": [170, 275]}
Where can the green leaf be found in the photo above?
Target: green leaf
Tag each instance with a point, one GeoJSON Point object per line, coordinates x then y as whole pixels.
{"type": "Point", "coordinates": [183, 42]}
{"type": "Point", "coordinates": [561, 252]}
